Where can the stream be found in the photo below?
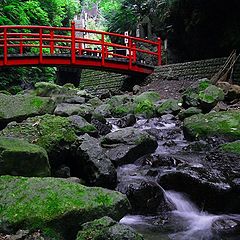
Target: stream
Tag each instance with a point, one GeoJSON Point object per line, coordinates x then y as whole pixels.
{"type": "Point", "coordinates": [185, 221]}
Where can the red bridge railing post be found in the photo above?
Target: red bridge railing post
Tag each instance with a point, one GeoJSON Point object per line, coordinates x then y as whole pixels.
{"type": "Point", "coordinates": [134, 52]}
{"type": "Point", "coordinates": [21, 44]}
{"type": "Point", "coordinates": [51, 42]}
{"type": "Point", "coordinates": [130, 53]}
{"type": "Point", "coordinates": [73, 44]}
{"type": "Point", "coordinates": [103, 49]}
{"type": "Point", "coordinates": [5, 48]}
{"type": "Point", "coordinates": [40, 45]}
{"type": "Point", "coordinates": [159, 51]}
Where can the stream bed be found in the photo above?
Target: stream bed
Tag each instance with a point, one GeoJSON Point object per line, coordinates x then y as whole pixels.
{"type": "Point", "coordinates": [185, 220]}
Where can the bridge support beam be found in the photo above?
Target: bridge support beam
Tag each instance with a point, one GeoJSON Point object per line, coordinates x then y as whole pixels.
{"type": "Point", "coordinates": [68, 75]}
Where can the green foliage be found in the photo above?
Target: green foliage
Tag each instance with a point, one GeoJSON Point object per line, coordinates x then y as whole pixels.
{"type": "Point", "coordinates": [33, 12]}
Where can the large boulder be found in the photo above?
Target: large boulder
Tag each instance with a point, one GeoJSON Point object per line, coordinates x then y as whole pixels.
{"type": "Point", "coordinates": [94, 166]}
{"type": "Point", "coordinates": [128, 144]}
{"type": "Point", "coordinates": [67, 109]}
{"type": "Point", "coordinates": [20, 158]}
{"type": "Point", "coordinates": [56, 206]}
{"type": "Point", "coordinates": [189, 112]}
{"type": "Point", "coordinates": [144, 104]}
{"type": "Point", "coordinates": [170, 106]}
{"type": "Point", "coordinates": [20, 107]}
{"type": "Point", "coordinates": [210, 97]}
{"type": "Point", "coordinates": [221, 124]}
{"type": "Point", "coordinates": [106, 228]}
{"type": "Point", "coordinates": [145, 196]}
{"type": "Point", "coordinates": [53, 133]}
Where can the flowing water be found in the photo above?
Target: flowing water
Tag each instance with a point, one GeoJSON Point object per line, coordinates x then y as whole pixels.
{"type": "Point", "coordinates": [186, 221]}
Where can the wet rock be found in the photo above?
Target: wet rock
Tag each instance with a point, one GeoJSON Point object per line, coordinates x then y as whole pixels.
{"type": "Point", "coordinates": [207, 187]}
{"type": "Point", "coordinates": [102, 112]}
{"type": "Point", "coordinates": [221, 106]}
{"type": "Point", "coordinates": [66, 109]}
{"type": "Point", "coordinates": [104, 93]}
{"type": "Point", "coordinates": [126, 121]}
{"type": "Point", "coordinates": [93, 165]}
{"type": "Point", "coordinates": [95, 102]}
{"type": "Point", "coordinates": [226, 227]}
{"type": "Point", "coordinates": [127, 145]}
{"type": "Point", "coordinates": [145, 196]}
{"type": "Point", "coordinates": [82, 126]}
{"type": "Point", "coordinates": [170, 106]}
{"type": "Point", "coordinates": [63, 172]}
{"type": "Point", "coordinates": [106, 228]}
{"type": "Point", "coordinates": [20, 107]}
{"type": "Point", "coordinates": [75, 100]}
{"type": "Point", "coordinates": [20, 158]}
{"type": "Point", "coordinates": [210, 97]}
{"type": "Point", "coordinates": [103, 128]}
{"type": "Point", "coordinates": [189, 112]}
{"type": "Point", "coordinates": [168, 117]}
{"type": "Point", "coordinates": [219, 124]}
{"type": "Point", "coordinates": [34, 203]}
{"type": "Point", "coordinates": [231, 91]}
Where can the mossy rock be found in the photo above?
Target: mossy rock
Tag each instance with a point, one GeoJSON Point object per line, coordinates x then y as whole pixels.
{"type": "Point", "coordinates": [21, 158]}
{"type": "Point", "coordinates": [150, 96]}
{"type": "Point", "coordinates": [20, 107]}
{"type": "Point", "coordinates": [120, 105]}
{"type": "Point", "coordinates": [53, 133]}
{"type": "Point", "coordinates": [106, 228]}
{"type": "Point", "coordinates": [55, 205]}
{"type": "Point", "coordinates": [185, 113]}
{"type": "Point", "coordinates": [221, 124]}
{"type": "Point", "coordinates": [101, 112]}
{"type": "Point", "coordinates": [144, 104]}
{"type": "Point", "coordinates": [170, 106]}
{"type": "Point", "coordinates": [233, 147]}
{"type": "Point", "coordinates": [46, 89]}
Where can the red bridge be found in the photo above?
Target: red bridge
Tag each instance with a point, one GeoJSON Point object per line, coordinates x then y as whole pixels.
{"type": "Point", "coordinates": [69, 46]}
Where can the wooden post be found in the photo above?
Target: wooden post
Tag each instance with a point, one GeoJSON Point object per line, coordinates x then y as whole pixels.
{"type": "Point", "coordinates": [134, 52]}
{"type": "Point", "coordinates": [51, 42]}
{"type": "Point", "coordinates": [73, 45]}
{"type": "Point", "coordinates": [21, 44]}
{"type": "Point", "coordinates": [40, 46]}
{"type": "Point", "coordinates": [103, 50]}
{"type": "Point", "coordinates": [159, 51]}
{"type": "Point", "coordinates": [130, 53]}
{"type": "Point", "coordinates": [5, 48]}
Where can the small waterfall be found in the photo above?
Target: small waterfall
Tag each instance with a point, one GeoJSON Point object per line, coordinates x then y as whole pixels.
{"type": "Point", "coordinates": [196, 224]}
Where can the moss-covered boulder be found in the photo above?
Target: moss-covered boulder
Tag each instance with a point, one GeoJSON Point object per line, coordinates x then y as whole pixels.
{"type": "Point", "coordinates": [82, 126]}
{"type": "Point", "coordinates": [128, 144]}
{"type": "Point", "coordinates": [144, 104]}
{"type": "Point", "coordinates": [53, 133]}
{"type": "Point", "coordinates": [232, 147]}
{"type": "Point", "coordinates": [101, 112]}
{"type": "Point", "coordinates": [210, 97]}
{"type": "Point", "coordinates": [46, 89]}
{"type": "Point", "coordinates": [189, 112]}
{"type": "Point", "coordinates": [221, 124]}
{"type": "Point", "coordinates": [20, 158]}
{"type": "Point", "coordinates": [55, 206]}
{"type": "Point", "coordinates": [170, 106]}
{"type": "Point", "coordinates": [120, 105]}
{"type": "Point", "coordinates": [106, 228]}
{"type": "Point", "coordinates": [20, 107]}
{"type": "Point", "coordinates": [67, 109]}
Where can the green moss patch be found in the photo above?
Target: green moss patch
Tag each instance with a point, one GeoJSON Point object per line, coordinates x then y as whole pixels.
{"type": "Point", "coordinates": [222, 124]}
{"type": "Point", "coordinates": [233, 147]}
{"type": "Point", "coordinates": [40, 203]}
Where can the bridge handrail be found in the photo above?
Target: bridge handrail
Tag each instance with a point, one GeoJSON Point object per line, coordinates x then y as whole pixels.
{"type": "Point", "coordinates": [74, 43]}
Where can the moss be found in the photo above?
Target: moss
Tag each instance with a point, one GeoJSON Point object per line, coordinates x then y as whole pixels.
{"type": "Point", "coordinates": [150, 96]}
{"type": "Point", "coordinates": [233, 147]}
{"type": "Point", "coordinates": [19, 107]}
{"type": "Point", "coordinates": [39, 203]}
{"type": "Point", "coordinates": [88, 129]}
{"type": "Point", "coordinates": [47, 131]}
{"type": "Point", "coordinates": [211, 94]}
{"type": "Point", "coordinates": [222, 124]}
{"type": "Point", "coordinates": [146, 108]}
{"type": "Point", "coordinates": [169, 106]}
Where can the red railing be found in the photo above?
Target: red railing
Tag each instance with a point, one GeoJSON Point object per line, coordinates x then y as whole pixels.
{"type": "Point", "coordinates": [48, 41]}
